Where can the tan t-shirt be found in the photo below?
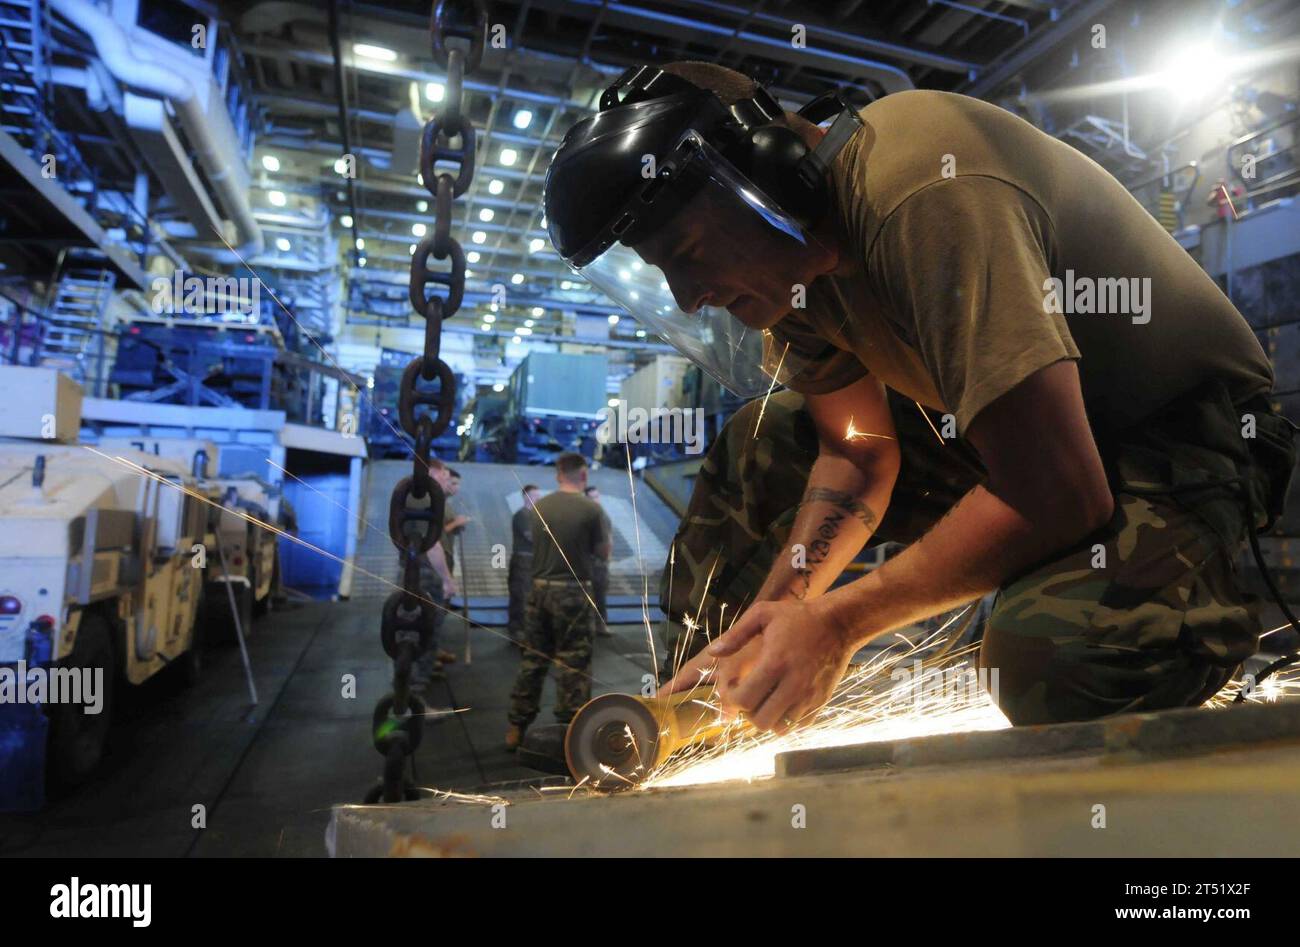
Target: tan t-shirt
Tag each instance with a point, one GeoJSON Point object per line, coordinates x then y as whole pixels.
{"type": "Point", "coordinates": [954, 215]}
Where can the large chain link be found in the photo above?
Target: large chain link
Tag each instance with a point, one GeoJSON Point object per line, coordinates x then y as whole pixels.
{"type": "Point", "coordinates": [427, 395]}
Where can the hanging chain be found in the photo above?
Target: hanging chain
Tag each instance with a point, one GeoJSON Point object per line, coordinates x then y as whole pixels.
{"type": "Point", "coordinates": [427, 395]}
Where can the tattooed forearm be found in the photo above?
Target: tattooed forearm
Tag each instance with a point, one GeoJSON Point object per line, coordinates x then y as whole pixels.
{"type": "Point", "coordinates": [845, 501]}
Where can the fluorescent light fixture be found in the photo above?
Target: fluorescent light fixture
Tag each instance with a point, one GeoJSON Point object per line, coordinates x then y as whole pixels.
{"type": "Point", "coordinates": [434, 91]}
{"type": "Point", "coordinates": [486, 214]}
{"type": "Point", "coordinates": [418, 229]}
{"type": "Point", "coordinates": [496, 186]}
{"type": "Point", "coordinates": [276, 197]}
{"type": "Point", "coordinates": [472, 256]}
{"type": "Point", "coordinates": [523, 118]}
{"type": "Point", "coordinates": [282, 244]}
{"type": "Point", "coordinates": [508, 156]}
{"type": "Point", "coordinates": [479, 236]}
{"type": "Point", "coordinates": [422, 206]}
{"type": "Point", "coordinates": [271, 162]}
{"type": "Point", "coordinates": [536, 244]}
{"type": "Point", "coordinates": [371, 51]}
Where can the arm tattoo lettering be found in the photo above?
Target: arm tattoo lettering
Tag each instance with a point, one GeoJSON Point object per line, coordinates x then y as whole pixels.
{"type": "Point", "coordinates": [828, 529]}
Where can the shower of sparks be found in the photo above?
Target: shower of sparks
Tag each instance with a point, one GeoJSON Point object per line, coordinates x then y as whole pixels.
{"type": "Point", "coordinates": [775, 375]}
{"type": "Point", "coordinates": [868, 706]}
{"type": "Point", "coordinates": [468, 798]}
{"type": "Point", "coordinates": [928, 421]}
{"type": "Point", "coordinates": [853, 434]}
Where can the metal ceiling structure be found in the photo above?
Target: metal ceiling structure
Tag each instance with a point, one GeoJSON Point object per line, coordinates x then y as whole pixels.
{"type": "Point", "coordinates": [558, 55]}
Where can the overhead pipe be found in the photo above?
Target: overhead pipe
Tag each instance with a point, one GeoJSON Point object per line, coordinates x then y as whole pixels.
{"type": "Point", "coordinates": [114, 45]}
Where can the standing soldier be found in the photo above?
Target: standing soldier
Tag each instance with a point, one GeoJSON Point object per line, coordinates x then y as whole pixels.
{"type": "Point", "coordinates": [521, 561]}
{"type": "Point", "coordinates": [567, 533]}
{"type": "Point", "coordinates": [600, 570]}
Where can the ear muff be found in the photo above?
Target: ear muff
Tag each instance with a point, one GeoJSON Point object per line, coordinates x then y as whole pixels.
{"type": "Point", "coordinates": [771, 158]}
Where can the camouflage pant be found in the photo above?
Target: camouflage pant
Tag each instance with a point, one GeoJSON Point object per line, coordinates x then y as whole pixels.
{"type": "Point", "coordinates": [519, 581]}
{"type": "Point", "coordinates": [1143, 615]}
{"type": "Point", "coordinates": [558, 628]}
{"type": "Point", "coordinates": [600, 586]}
{"type": "Point", "coordinates": [426, 664]}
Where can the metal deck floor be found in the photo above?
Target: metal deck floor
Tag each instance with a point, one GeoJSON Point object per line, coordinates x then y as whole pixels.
{"type": "Point", "coordinates": [269, 776]}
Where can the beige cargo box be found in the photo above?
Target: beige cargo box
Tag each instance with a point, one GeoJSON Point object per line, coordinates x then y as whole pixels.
{"type": "Point", "coordinates": [40, 404]}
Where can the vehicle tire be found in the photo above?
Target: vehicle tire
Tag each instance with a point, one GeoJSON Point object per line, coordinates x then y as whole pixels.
{"type": "Point", "coordinates": [189, 666]}
{"type": "Point", "coordinates": [219, 624]}
{"type": "Point", "coordinates": [263, 605]}
{"type": "Point", "coordinates": [77, 740]}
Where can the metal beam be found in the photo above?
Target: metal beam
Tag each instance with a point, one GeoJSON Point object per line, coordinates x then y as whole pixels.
{"type": "Point", "coordinates": [1035, 46]}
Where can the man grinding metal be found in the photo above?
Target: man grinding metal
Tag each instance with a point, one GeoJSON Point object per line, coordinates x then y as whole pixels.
{"type": "Point", "coordinates": [993, 353]}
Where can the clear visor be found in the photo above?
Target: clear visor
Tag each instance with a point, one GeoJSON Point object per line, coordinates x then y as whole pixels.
{"type": "Point", "coordinates": [714, 251]}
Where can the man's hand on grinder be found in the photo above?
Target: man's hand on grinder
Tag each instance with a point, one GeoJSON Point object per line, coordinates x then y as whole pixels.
{"type": "Point", "coordinates": [779, 662]}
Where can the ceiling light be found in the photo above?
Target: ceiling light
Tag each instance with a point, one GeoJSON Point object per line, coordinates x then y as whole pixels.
{"type": "Point", "coordinates": [418, 229]}
{"type": "Point", "coordinates": [412, 250]}
{"type": "Point", "coordinates": [508, 156]}
{"type": "Point", "coordinates": [613, 320]}
{"type": "Point", "coordinates": [371, 51]}
{"type": "Point", "coordinates": [515, 341]}
{"type": "Point", "coordinates": [517, 278]}
{"type": "Point", "coordinates": [361, 261]}
{"type": "Point", "coordinates": [479, 236]}
{"type": "Point", "coordinates": [496, 186]}
{"type": "Point", "coordinates": [538, 311]}
{"type": "Point", "coordinates": [536, 244]}
{"type": "Point", "coordinates": [489, 318]}
{"type": "Point", "coordinates": [472, 256]}
{"type": "Point", "coordinates": [498, 387]}
{"type": "Point", "coordinates": [523, 330]}
{"type": "Point", "coordinates": [276, 197]}
{"type": "Point", "coordinates": [346, 221]}
{"type": "Point", "coordinates": [486, 214]}
{"type": "Point", "coordinates": [361, 243]}
{"type": "Point", "coordinates": [434, 91]}
{"type": "Point", "coordinates": [566, 284]}
{"type": "Point", "coordinates": [523, 118]}
{"type": "Point", "coordinates": [271, 162]}
{"type": "Point", "coordinates": [282, 244]}
{"type": "Point", "coordinates": [486, 327]}
{"type": "Point", "coordinates": [422, 206]}
{"type": "Point", "coordinates": [529, 323]}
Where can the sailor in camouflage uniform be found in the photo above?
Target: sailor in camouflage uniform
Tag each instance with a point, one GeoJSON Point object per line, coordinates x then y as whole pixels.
{"type": "Point", "coordinates": [560, 616]}
{"type": "Point", "coordinates": [1153, 595]}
